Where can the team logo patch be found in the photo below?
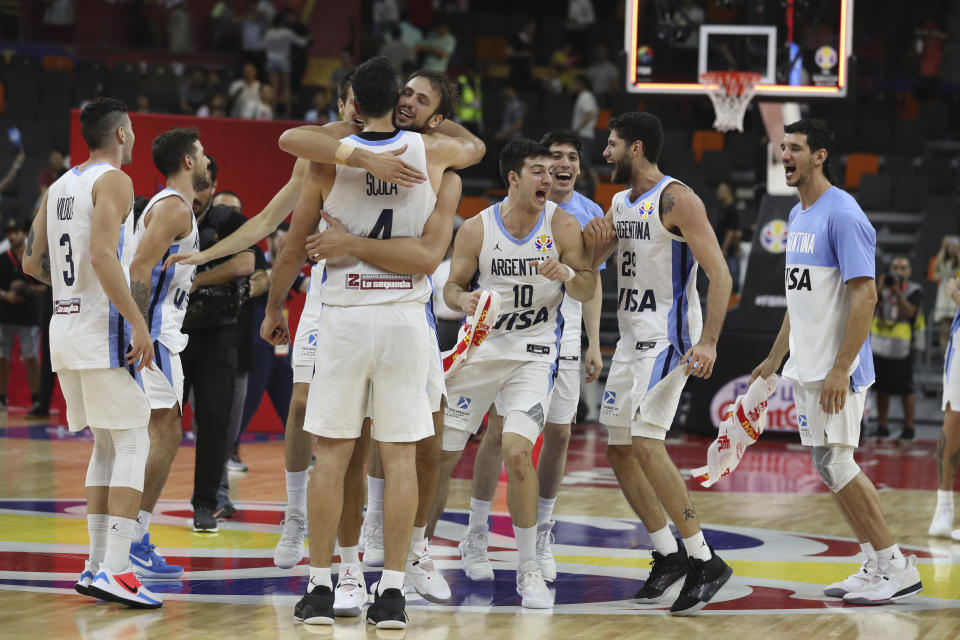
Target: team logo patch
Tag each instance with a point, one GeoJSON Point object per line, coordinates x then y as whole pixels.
{"type": "Point", "coordinates": [646, 208]}
{"type": "Point", "coordinates": [826, 58]}
{"type": "Point", "coordinates": [463, 403]}
{"type": "Point", "coordinates": [312, 340]}
{"type": "Point", "coordinates": [544, 243]}
{"type": "Point", "coordinates": [609, 397]}
{"type": "Point", "coordinates": [773, 236]}
{"type": "Point", "coordinates": [801, 420]}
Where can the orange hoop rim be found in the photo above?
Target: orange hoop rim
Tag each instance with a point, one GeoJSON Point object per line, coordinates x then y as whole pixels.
{"type": "Point", "coordinates": [732, 82]}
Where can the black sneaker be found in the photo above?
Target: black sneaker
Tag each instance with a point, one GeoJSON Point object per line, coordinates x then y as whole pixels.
{"type": "Point", "coordinates": [702, 583]}
{"type": "Point", "coordinates": [881, 432]}
{"type": "Point", "coordinates": [235, 464]}
{"type": "Point", "coordinates": [388, 610]}
{"type": "Point", "coordinates": [907, 435]}
{"type": "Point", "coordinates": [664, 573]}
{"type": "Point", "coordinates": [204, 520]}
{"type": "Point", "coordinates": [38, 411]}
{"type": "Point", "coordinates": [224, 511]}
{"type": "Point", "coordinates": [315, 607]}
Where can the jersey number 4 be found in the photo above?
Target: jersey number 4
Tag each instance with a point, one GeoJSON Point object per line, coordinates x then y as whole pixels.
{"type": "Point", "coordinates": [69, 277]}
{"type": "Point", "coordinates": [384, 226]}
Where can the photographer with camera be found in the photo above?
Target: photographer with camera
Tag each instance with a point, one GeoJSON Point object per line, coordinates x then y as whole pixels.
{"type": "Point", "coordinates": [896, 319]}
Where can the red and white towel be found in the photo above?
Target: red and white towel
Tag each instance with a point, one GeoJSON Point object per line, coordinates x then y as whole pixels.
{"type": "Point", "coordinates": [739, 429]}
{"type": "Point", "coordinates": [473, 332]}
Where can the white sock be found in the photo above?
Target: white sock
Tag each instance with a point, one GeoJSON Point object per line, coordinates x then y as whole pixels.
{"type": "Point", "coordinates": [697, 547]}
{"type": "Point", "coordinates": [945, 500]}
{"type": "Point", "coordinates": [375, 499]}
{"type": "Point", "coordinates": [97, 524]}
{"type": "Point", "coordinates": [868, 551]}
{"type": "Point", "coordinates": [390, 580]}
{"type": "Point", "coordinates": [663, 541]}
{"type": "Point", "coordinates": [143, 523]}
{"type": "Point", "coordinates": [526, 544]}
{"type": "Point", "coordinates": [545, 509]}
{"type": "Point", "coordinates": [891, 556]}
{"type": "Point", "coordinates": [119, 536]}
{"type": "Point", "coordinates": [349, 555]}
{"type": "Point", "coordinates": [319, 577]}
{"type": "Point", "coordinates": [297, 489]}
{"type": "Point", "coordinates": [479, 514]}
{"type": "Point", "coordinates": [419, 535]}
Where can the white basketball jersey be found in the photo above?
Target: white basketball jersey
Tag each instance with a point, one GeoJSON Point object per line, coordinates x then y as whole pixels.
{"type": "Point", "coordinates": [86, 330]}
{"type": "Point", "coordinates": [369, 207]}
{"type": "Point", "coordinates": [169, 289]}
{"type": "Point", "coordinates": [656, 277]}
{"type": "Point", "coordinates": [530, 322]}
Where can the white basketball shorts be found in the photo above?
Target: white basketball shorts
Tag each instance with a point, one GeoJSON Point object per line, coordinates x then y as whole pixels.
{"type": "Point", "coordinates": [305, 342]}
{"type": "Point", "coordinates": [164, 383]}
{"type": "Point", "coordinates": [517, 385]}
{"type": "Point", "coordinates": [566, 391]}
{"type": "Point", "coordinates": [642, 394]}
{"type": "Point", "coordinates": [818, 429]}
{"type": "Point", "coordinates": [951, 381]}
{"type": "Point", "coordinates": [103, 399]}
{"type": "Point", "coordinates": [436, 385]}
{"type": "Point", "coordinates": [377, 350]}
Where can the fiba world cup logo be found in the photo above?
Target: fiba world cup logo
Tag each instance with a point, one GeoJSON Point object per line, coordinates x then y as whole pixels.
{"type": "Point", "coordinates": [646, 208]}
{"type": "Point", "coordinates": [826, 58]}
{"type": "Point", "coordinates": [544, 243]}
{"type": "Point", "coordinates": [773, 236]}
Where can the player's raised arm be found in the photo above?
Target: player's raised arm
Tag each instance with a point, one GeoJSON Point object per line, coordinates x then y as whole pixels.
{"type": "Point", "coordinates": [306, 216]}
{"type": "Point", "coordinates": [253, 230]}
{"type": "Point", "coordinates": [169, 220]}
{"type": "Point", "coordinates": [574, 267]}
{"type": "Point", "coordinates": [463, 266]}
{"type": "Point", "coordinates": [400, 255]}
{"type": "Point", "coordinates": [684, 209]}
{"type": "Point", "coordinates": [112, 195]}
{"type": "Point", "coordinates": [323, 145]}
{"type": "Point", "coordinates": [36, 256]}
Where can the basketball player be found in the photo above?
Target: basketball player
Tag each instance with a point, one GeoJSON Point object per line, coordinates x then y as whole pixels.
{"type": "Point", "coordinates": [530, 252]}
{"type": "Point", "coordinates": [948, 450]}
{"type": "Point", "coordinates": [831, 294]}
{"type": "Point", "coordinates": [660, 231]}
{"type": "Point", "coordinates": [373, 330]}
{"type": "Point", "coordinates": [166, 226]}
{"type": "Point", "coordinates": [565, 149]}
{"type": "Point", "coordinates": [76, 246]}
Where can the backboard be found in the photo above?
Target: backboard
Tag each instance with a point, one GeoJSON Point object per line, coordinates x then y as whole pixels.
{"type": "Point", "coordinates": [801, 47]}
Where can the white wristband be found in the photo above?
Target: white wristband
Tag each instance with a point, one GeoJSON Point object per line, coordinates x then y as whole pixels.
{"type": "Point", "coordinates": [571, 274]}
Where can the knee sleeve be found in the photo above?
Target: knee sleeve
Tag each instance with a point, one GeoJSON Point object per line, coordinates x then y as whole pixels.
{"type": "Point", "coordinates": [524, 423]}
{"type": "Point", "coordinates": [835, 465]}
{"type": "Point", "coordinates": [455, 439]}
{"type": "Point", "coordinates": [131, 447]}
{"type": "Point", "coordinates": [101, 459]}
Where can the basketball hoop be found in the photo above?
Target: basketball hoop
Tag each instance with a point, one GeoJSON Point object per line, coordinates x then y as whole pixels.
{"type": "Point", "coordinates": [730, 92]}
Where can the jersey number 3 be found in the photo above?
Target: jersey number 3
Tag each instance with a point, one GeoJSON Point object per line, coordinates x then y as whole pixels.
{"type": "Point", "coordinates": [384, 225]}
{"type": "Point", "coordinates": [68, 276]}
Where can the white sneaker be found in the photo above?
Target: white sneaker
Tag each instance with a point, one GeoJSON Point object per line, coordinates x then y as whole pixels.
{"type": "Point", "coordinates": [942, 522]}
{"type": "Point", "coordinates": [545, 539]}
{"type": "Point", "coordinates": [351, 592]}
{"type": "Point", "coordinates": [290, 550]}
{"type": "Point", "coordinates": [888, 585]}
{"type": "Point", "coordinates": [855, 582]}
{"type": "Point", "coordinates": [86, 578]}
{"type": "Point", "coordinates": [421, 575]}
{"type": "Point", "coordinates": [473, 554]}
{"type": "Point", "coordinates": [372, 536]}
{"type": "Point", "coordinates": [124, 588]}
{"type": "Point", "coordinates": [531, 587]}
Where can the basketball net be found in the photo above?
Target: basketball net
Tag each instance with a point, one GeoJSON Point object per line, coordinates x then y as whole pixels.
{"type": "Point", "coordinates": [730, 92]}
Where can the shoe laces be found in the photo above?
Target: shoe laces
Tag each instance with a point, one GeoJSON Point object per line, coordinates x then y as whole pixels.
{"type": "Point", "coordinates": [476, 542]}
{"type": "Point", "coordinates": [292, 526]}
{"type": "Point", "coordinates": [348, 582]}
{"type": "Point", "coordinates": [531, 580]}
{"type": "Point", "coordinates": [373, 535]}
{"type": "Point", "coordinates": [545, 538]}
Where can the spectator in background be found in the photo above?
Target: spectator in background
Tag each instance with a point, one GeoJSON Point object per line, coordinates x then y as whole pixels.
{"type": "Point", "coordinates": [7, 180]}
{"type": "Point", "coordinates": [143, 103]}
{"type": "Point", "coordinates": [603, 74]}
{"type": "Point", "coordinates": [396, 50]}
{"type": "Point", "coordinates": [49, 174]}
{"type": "Point", "coordinates": [930, 49]}
{"type": "Point", "coordinates": [385, 13]}
{"type": "Point", "coordinates": [298, 54]}
{"type": "Point", "coordinates": [469, 110]}
{"type": "Point", "coordinates": [179, 28]}
{"type": "Point", "coordinates": [268, 9]}
{"type": "Point", "coordinates": [346, 66]}
{"type": "Point", "coordinates": [322, 108]}
{"type": "Point", "coordinates": [895, 321]}
{"type": "Point", "coordinates": [581, 19]}
{"type": "Point", "coordinates": [194, 92]}
{"type": "Point", "coordinates": [520, 50]}
{"type": "Point", "coordinates": [262, 109]}
{"type": "Point", "coordinates": [728, 231]}
{"type": "Point", "coordinates": [511, 127]}
{"type": "Point", "coordinates": [410, 34]}
{"type": "Point", "coordinates": [19, 314]}
{"type": "Point", "coordinates": [252, 28]}
{"type": "Point", "coordinates": [215, 107]}
{"type": "Point", "coordinates": [437, 48]}
{"type": "Point", "coordinates": [276, 45]}
{"type": "Point", "coordinates": [946, 265]}
{"type": "Point", "coordinates": [244, 91]}
{"type": "Point", "coordinates": [224, 24]}
{"type": "Point", "coordinates": [583, 123]}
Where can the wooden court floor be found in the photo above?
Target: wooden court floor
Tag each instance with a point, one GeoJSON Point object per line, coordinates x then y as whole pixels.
{"type": "Point", "coordinates": [770, 520]}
